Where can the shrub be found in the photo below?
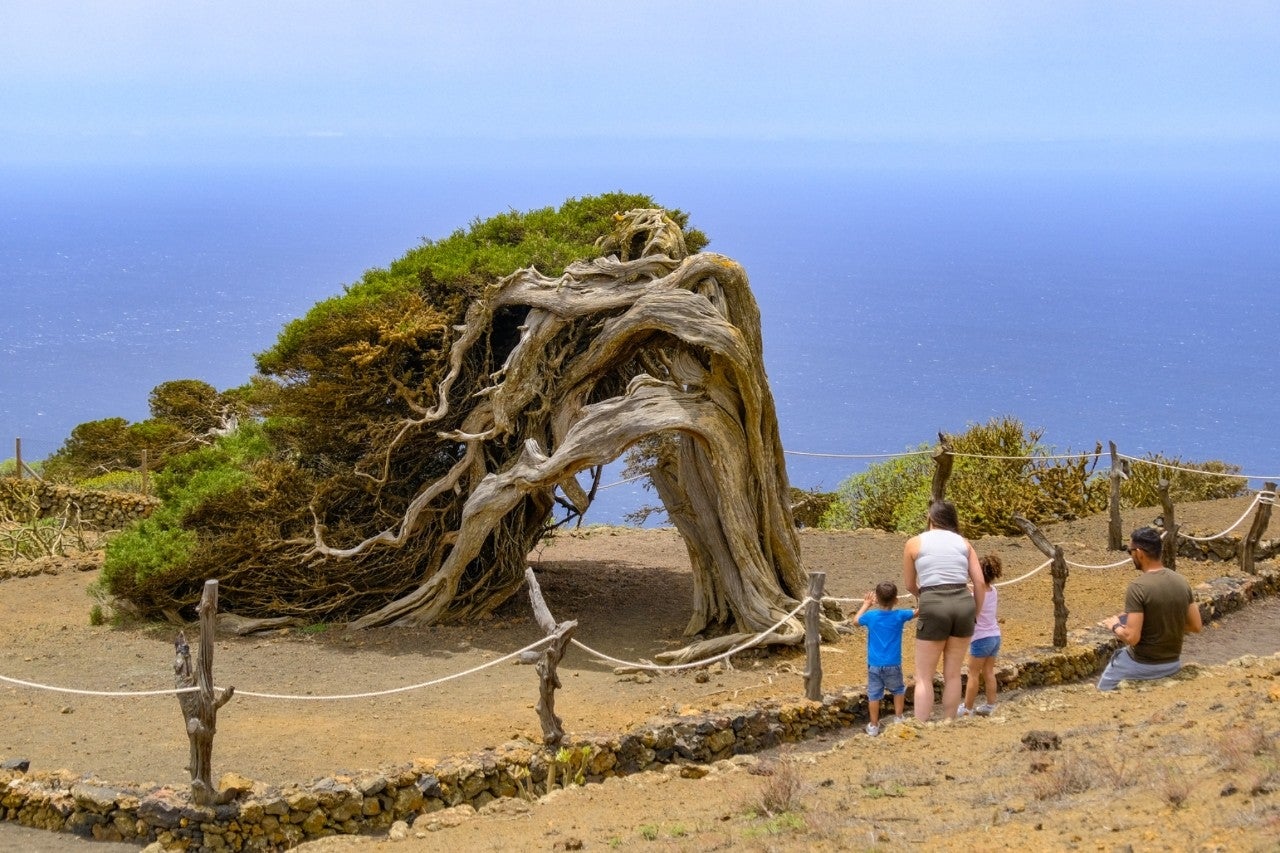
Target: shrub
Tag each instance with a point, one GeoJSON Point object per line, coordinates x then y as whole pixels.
{"type": "Point", "coordinates": [890, 495]}
{"type": "Point", "coordinates": [162, 543]}
{"type": "Point", "coordinates": [1001, 469]}
{"type": "Point", "coordinates": [1142, 487]}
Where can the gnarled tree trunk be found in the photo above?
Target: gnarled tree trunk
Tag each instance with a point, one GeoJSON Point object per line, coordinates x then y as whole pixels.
{"type": "Point", "coordinates": [643, 345]}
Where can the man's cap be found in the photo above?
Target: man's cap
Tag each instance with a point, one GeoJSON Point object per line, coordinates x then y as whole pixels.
{"type": "Point", "coordinates": [1146, 538]}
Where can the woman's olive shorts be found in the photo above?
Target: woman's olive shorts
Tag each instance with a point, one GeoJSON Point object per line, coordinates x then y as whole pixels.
{"type": "Point", "coordinates": [946, 612]}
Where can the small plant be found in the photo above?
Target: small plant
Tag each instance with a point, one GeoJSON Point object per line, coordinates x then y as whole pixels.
{"type": "Point", "coordinates": [875, 792]}
{"type": "Point", "coordinates": [1072, 774]}
{"type": "Point", "coordinates": [315, 628]}
{"type": "Point", "coordinates": [778, 824]}
{"type": "Point", "coordinates": [649, 831]}
{"type": "Point", "coordinates": [570, 764]}
{"type": "Point", "coordinates": [781, 790]}
{"type": "Point", "coordinates": [1240, 746]}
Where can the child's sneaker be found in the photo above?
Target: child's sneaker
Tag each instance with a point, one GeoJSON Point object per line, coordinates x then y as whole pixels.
{"type": "Point", "coordinates": [962, 711]}
{"type": "Point", "coordinates": [873, 729]}
{"type": "Point", "coordinates": [984, 710]}
{"type": "Point", "coordinates": [899, 718]}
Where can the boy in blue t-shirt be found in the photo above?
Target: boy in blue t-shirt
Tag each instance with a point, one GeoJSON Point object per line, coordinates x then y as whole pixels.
{"type": "Point", "coordinates": [884, 650]}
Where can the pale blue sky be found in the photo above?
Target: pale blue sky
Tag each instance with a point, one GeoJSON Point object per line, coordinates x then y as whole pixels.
{"type": "Point", "coordinates": [163, 80]}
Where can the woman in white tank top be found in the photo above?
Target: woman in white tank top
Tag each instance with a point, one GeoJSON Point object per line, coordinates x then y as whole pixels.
{"type": "Point", "coordinates": [937, 567]}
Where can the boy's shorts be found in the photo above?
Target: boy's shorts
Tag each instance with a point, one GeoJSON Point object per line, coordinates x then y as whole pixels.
{"type": "Point", "coordinates": [884, 679]}
{"type": "Point", "coordinates": [987, 647]}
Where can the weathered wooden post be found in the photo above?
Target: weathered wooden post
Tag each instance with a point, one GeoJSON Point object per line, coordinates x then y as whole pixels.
{"type": "Point", "coordinates": [1115, 533]}
{"type": "Point", "coordinates": [1169, 547]}
{"type": "Point", "coordinates": [548, 680]}
{"type": "Point", "coordinates": [1058, 569]}
{"type": "Point", "coordinates": [813, 637]}
{"type": "Point", "coordinates": [200, 708]}
{"type": "Point", "coordinates": [17, 456]}
{"type": "Point", "coordinates": [1260, 520]}
{"type": "Point", "coordinates": [942, 462]}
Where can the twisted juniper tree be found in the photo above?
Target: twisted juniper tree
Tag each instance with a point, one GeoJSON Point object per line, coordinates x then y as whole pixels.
{"type": "Point", "coordinates": [429, 516]}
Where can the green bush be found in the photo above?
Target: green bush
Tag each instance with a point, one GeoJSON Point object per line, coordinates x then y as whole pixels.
{"type": "Point", "coordinates": [889, 495]}
{"type": "Point", "coordinates": [1142, 487]}
{"type": "Point", "coordinates": [1015, 477]}
{"type": "Point", "coordinates": [162, 543]}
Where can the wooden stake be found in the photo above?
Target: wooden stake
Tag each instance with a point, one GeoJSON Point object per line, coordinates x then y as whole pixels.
{"type": "Point", "coordinates": [1168, 547]}
{"type": "Point", "coordinates": [1260, 520]}
{"type": "Point", "coordinates": [1115, 533]}
{"type": "Point", "coordinates": [942, 460]}
{"type": "Point", "coordinates": [548, 680]}
{"type": "Point", "coordinates": [200, 709]}
{"type": "Point", "coordinates": [813, 637]}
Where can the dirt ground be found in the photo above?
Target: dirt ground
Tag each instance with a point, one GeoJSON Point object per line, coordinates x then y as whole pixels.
{"type": "Point", "coordinates": [1123, 762]}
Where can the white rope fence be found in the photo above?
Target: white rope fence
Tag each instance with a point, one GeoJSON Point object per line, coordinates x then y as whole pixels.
{"type": "Point", "coordinates": [113, 693]}
{"type": "Point", "coordinates": [433, 682]}
{"type": "Point", "coordinates": [1036, 458]}
{"type": "Point", "coordinates": [330, 697]}
{"type": "Point", "coordinates": [1195, 470]}
{"type": "Point", "coordinates": [692, 664]}
{"type": "Point", "coordinates": [293, 697]}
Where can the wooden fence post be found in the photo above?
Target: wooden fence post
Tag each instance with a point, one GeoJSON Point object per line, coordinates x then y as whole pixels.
{"type": "Point", "coordinates": [17, 456]}
{"type": "Point", "coordinates": [200, 708]}
{"type": "Point", "coordinates": [1260, 520]}
{"type": "Point", "coordinates": [548, 680]}
{"type": "Point", "coordinates": [1115, 535]}
{"type": "Point", "coordinates": [942, 461]}
{"type": "Point", "coordinates": [1169, 547]}
{"type": "Point", "coordinates": [813, 637]}
{"type": "Point", "coordinates": [1059, 571]}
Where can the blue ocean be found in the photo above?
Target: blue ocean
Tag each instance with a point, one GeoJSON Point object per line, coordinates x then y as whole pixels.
{"type": "Point", "coordinates": [1138, 307]}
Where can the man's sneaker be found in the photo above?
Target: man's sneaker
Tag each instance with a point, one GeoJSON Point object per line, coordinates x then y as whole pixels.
{"type": "Point", "coordinates": [962, 711]}
{"type": "Point", "coordinates": [984, 710]}
{"type": "Point", "coordinates": [899, 718]}
{"type": "Point", "coordinates": [873, 729]}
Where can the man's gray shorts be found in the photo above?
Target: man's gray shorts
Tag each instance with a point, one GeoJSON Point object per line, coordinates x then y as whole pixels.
{"type": "Point", "coordinates": [1124, 668]}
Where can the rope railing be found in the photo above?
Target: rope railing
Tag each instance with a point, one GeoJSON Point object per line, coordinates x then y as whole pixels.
{"type": "Point", "coordinates": [173, 691]}
{"type": "Point", "coordinates": [992, 457]}
{"type": "Point", "coordinates": [1186, 470]}
{"type": "Point", "coordinates": [1256, 500]}
{"type": "Point", "coordinates": [293, 697]}
{"type": "Point", "coordinates": [692, 664]}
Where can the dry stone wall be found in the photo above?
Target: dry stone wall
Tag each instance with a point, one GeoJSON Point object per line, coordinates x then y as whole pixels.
{"type": "Point", "coordinates": [29, 500]}
{"type": "Point", "coordinates": [257, 817]}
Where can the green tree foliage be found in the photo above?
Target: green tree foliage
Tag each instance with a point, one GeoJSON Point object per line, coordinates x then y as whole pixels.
{"type": "Point", "coordinates": [335, 394]}
{"type": "Point", "coordinates": [229, 488]}
{"type": "Point", "coordinates": [355, 361]}
{"type": "Point", "coordinates": [1015, 478]}
{"type": "Point", "coordinates": [184, 414]}
{"type": "Point", "coordinates": [93, 448]}
{"type": "Point", "coordinates": [194, 406]}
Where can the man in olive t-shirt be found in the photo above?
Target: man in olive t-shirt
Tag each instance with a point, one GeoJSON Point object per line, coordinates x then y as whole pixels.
{"type": "Point", "coordinates": [1158, 611]}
